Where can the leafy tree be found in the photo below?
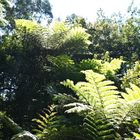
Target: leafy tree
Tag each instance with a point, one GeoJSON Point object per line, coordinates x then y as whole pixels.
{"type": "Point", "coordinates": [120, 37]}
{"type": "Point", "coordinates": [74, 20]}
{"type": "Point", "coordinates": [30, 9]}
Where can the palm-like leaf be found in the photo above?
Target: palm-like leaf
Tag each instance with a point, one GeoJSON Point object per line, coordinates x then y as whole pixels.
{"type": "Point", "coordinates": [97, 92]}
{"type": "Point", "coordinates": [46, 123]}
{"type": "Point", "coordinates": [102, 96]}
{"type": "Point", "coordinates": [109, 112]}
{"type": "Point", "coordinates": [98, 127]}
{"type": "Point", "coordinates": [131, 103]}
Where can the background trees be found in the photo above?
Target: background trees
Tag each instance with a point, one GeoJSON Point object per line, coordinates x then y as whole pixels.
{"type": "Point", "coordinates": [30, 9]}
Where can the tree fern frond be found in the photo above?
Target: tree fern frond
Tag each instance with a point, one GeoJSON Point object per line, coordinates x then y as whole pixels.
{"type": "Point", "coordinates": [97, 91]}
{"type": "Point", "coordinates": [46, 122]}
{"type": "Point", "coordinates": [109, 111]}
{"type": "Point", "coordinates": [133, 93]}
{"type": "Point", "coordinates": [93, 77]}
{"type": "Point", "coordinates": [99, 128]}
{"type": "Point", "coordinates": [103, 99]}
{"type": "Point", "coordinates": [113, 66]}
{"type": "Point", "coordinates": [130, 109]}
{"type": "Point", "coordinates": [77, 107]}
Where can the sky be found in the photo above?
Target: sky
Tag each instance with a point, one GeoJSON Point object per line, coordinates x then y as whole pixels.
{"type": "Point", "coordinates": [88, 8]}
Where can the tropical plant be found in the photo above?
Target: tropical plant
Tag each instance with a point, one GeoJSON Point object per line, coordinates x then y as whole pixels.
{"type": "Point", "coordinates": [110, 115]}
{"type": "Point", "coordinates": [46, 124]}
{"type": "Point", "coordinates": [66, 39]}
{"type": "Point", "coordinates": [34, 34]}
{"type": "Point", "coordinates": [53, 126]}
{"type": "Point", "coordinates": [56, 34]}
{"type": "Point", "coordinates": [76, 41]}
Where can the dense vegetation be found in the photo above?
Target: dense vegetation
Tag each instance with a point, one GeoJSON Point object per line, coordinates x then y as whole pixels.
{"type": "Point", "coordinates": [68, 80]}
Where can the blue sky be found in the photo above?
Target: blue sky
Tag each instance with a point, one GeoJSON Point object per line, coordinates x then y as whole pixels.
{"type": "Point", "coordinates": [88, 8]}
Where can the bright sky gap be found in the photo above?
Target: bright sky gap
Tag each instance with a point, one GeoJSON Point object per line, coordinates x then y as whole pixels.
{"type": "Point", "coordinates": [88, 8]}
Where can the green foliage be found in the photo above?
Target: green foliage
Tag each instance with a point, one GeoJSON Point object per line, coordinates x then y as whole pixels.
{"type": "Point", "coordinates": [47, 124]}
{"type": "Point", "coordinates": [30, 25]}
{"type": "Point", "coordinates": [6, 16]}
{"type": "Point", "coordinates": [108, 112]}
{"type": "Point", "coordinates": [2, 21]}
{"type": "Point", "coordinates": [21, 56]}
{"type": "Point", "coordinates": [104, 67]}
{"type": "Point", "coordinates": [74, 20]}
{"type": "Point", "coordinates": [98, 94]}
{"type": "Point", "coordinates": [132, 75]}
{"type": "Point", "coordinates": [34, 59]}
{"type": "Point", "coordinates": [99, 128]}
{"type": "Point", "coordinates": [67, 40]}
{"type": "Point", "coordinates": [137, 136]}
{"type": "Point", "coordinates": [56, 34]}
{"type": "Point", "coordinates": [30, 9]}
{"type": "Point", "coordinates": [113, 66]}
{"type": "Point", "coordinates": [119, 36]}
{"type": "Point", "coordinates": [61, 62]}
{"type": "Point", "coordinates": [67, 64]}
{"type": "Point", "coordinates": [90, 92]}
{"type": "Point", "coordinates": [76, 41]}
{"type": "Point", "coordinates": [50, 126]}
{"type": "Point", "coordinates": [32, 32]}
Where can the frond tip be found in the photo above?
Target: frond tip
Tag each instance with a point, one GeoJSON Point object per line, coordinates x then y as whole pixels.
{"type": "Point", "coordinates": [133, 93]}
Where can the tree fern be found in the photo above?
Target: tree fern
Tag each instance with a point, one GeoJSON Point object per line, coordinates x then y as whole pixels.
{"type": "Point", "coordinates": [97, 92]}
{"type": "Point", "coordinates": [101, 95]}
{"type": "Point", "coordinates": [109, 110]}
{"type": "Point", "coordinates": [131, 104]}
{"type": "Point", "coordinates": [76, 41]}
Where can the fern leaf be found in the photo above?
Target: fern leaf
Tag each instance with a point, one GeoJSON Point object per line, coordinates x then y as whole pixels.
{"type": "Point", "coordinates": [103, 99]}
{"type": "Point", "coordinates": [133, 93]}
{"type": "Point", "coordinates": [97, 91]}
{"type": "Point", "coordinates": [76, 107]}
{"type": "Point", "coordinates": [46, 123]}
{"type": "Point", "coordinates": [99, 128]}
